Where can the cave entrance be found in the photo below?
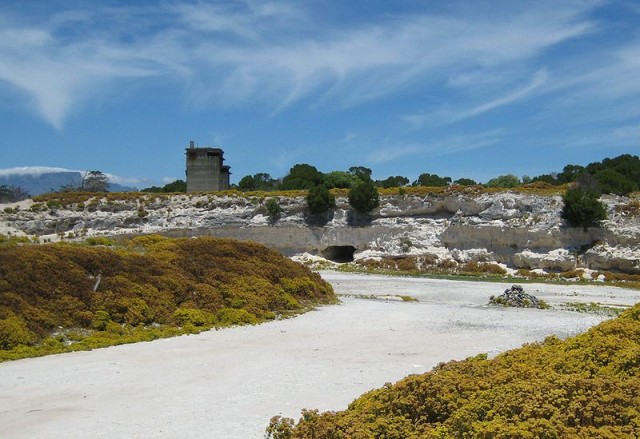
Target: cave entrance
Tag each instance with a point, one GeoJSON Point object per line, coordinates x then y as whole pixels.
{"type": "Point", "coordinates": [339, 253]}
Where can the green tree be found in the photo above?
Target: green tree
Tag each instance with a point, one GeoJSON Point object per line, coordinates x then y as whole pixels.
{"type": "Point", "coordinates": [394, 181]}
{"type": "Point", "coordinates": [302, 176]}
{"type": "Point", "coordinates": [257, 182]}
{"type": "Point", "coordinates": [626, 165]}
{"type": "Point", "coordinates": [94, 181]}
{"type": "Point", "coordinates": [570, 173]}
{"type": "Point", "coordinates": [320, 200]}
{"type": "Point", "coordinates": [465, 182]}
{"type": "Point", "coordinates": [546, 178]}
{"type": "Point", "coordinates": [363, 197]}
{"type": "Point", "coordinates": [174, 186]}
{"type": "Point", "coordinates": [340, 179]}
{"type": "Point", "coordinates": [361, 172]}
{"type": "Point", "coordinates": [11, 194]}
{"type": "Point", "coordinates": [504, 181]}
{"type": "Point", "coordinates": [582, 208]}
{"type": "Point", "coordinates": [432, 180]}
{"type": "Point", "coordinates": [613, 182]}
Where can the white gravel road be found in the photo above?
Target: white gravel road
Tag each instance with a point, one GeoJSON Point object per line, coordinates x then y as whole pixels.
{"type": "Point", "coordinates": [227, 384]}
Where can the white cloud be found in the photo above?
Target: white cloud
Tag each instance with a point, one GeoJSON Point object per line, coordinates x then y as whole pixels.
{"type": "Point", "coordinates": [450, 116]}
{"type": "Point", "coordinates": [33, 170]}
{"type": "Point", "coordinates": [390, 154]}
{"type": "Point", "coordinates": [39, 170]}
{"type": "Point", "coordinates": [539, 79]}
{"type": "Point", "coordinates": [271, 52]}
{"type": "Point", "coordinates": [126, 181]}
{"type": "Point", "coordinates": [628, 132]}
{"type": "Point", "coordinates": [167, 180]}
{"type": "Point", "coordinates": [447, 145]}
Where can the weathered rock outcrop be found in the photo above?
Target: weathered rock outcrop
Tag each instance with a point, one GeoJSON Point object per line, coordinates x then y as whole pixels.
{"type": "Point", "coordinates": [517, 297]}
{"type": "Point", "coordinates": [516, 229]}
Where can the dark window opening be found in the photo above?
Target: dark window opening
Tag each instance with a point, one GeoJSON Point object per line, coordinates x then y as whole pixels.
{"type": "Point", "coordinates": [339, 253]}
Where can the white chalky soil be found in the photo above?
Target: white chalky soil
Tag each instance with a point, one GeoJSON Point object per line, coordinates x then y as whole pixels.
{"type": "Point", "coordinates": [228, 383]}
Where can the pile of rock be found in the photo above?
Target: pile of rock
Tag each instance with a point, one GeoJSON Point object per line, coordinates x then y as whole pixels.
{"type": "Point", "coordinates": [515, 296]}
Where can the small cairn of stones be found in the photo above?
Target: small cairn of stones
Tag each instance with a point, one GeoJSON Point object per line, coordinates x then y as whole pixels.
{"type": "Point", "coordinates": [515, 296]}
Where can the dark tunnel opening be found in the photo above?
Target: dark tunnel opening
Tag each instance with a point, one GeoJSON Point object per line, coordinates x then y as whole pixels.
{"type": "Point", "coordinates": [339, 253]}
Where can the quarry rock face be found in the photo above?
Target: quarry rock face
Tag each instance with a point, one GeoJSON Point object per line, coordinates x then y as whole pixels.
{"type": "Point", "coordinates": [521, 231]}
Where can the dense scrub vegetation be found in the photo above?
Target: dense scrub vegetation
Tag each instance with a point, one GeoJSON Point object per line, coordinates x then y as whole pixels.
{"type": "Point", "coordinates": [173, 187]}
{"type": "Point", "coordinates": [319, 200]}
{"type": "Point", "coordinates": [302, 177]}
{"type": "Point", "coordinates": [69, 297]}
{"type": "Point", "coordinates": [619, 175]}
{"type": "Point", "coordinates": [363, 195]}
{"type": "Point", "coordinates": [585, 386]}
{"type": "Point", "coordinates": [582, 208]}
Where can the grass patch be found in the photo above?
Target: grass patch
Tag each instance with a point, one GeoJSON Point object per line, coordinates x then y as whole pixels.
{"type": "Point", "coordinates": [383, 297]}
{"type": "Point", "coordinates": [593, 308]}
{"type": "Point", "coordinates": [478, 272]}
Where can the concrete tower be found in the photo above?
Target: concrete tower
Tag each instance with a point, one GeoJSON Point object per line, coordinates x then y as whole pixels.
{"type": "Point", "coordinates": [205, 169]}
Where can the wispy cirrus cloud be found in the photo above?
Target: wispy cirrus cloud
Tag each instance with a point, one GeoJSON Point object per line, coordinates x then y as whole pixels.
{"type": "Point", "coordinates": [447, 145]}
{"type": "Point", "coordinates": [451, 116]}
{"type": "Point", "coordinates": [271, 52]}
{"type": "Point", "coordinates": [56, 76]}
{"type": "Point", "coordinates": [389, 154]}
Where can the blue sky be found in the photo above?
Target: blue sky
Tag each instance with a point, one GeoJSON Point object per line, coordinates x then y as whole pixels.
{"type": "Point", "coordinates": [458, 88]}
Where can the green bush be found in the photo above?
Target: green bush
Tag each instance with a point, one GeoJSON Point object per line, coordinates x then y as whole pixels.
{"type": "Point", "coordinates": [137, 311]}
{"type": "Point", "coordinates": [612, 182]}
{"type": "Point", "coordinates": [582, 208]}
{"type": "Point", "coordinates": [302, 176]}
{"type": "Point", "coordinates": [363, 196]}
{"type": "Point", "coordinates": [289, 302]}
{"type": "Point", "coordinates": [232, 316]}
{"type": "Point", "coordinates": [14, 332]}
{"type": "Point", "coordinates": [273, 209]}
{"type": "Point", "coordinates": [585, 386]}
{"type": "Point", "coordinates": [504, 181]}
{"type": "Point", "coordinates": [100, 240]}
{"type": "Point", "coordinates": [432, 180]}
{"type": "Point", "coordinates": [100, 320]}
{"type": "Point", "coordinates": [320, 200]}
{"type": "Point", "coordinates": [150, 287]}
{"type": "Point", "coordinates": [195, 317]}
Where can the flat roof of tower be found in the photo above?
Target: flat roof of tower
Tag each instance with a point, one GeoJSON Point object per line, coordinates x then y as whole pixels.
{"type": "Point", "coordinates": [205, 148]}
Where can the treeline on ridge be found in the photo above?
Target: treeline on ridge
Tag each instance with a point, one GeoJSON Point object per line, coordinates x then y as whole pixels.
{"type": "Point", "coordinates": [619, 175]}
{"type": "Point", "coordinates": [585, 386]}
{"type": "Point", "coordinates": [64, 297]}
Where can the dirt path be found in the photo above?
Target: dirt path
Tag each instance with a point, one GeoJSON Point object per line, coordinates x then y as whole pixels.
{"type": "Point", "coordinates": [228, 383]}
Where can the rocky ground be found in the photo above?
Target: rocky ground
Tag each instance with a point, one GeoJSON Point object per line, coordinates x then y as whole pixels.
{"type": "Point", "coordinates": [516, 296]}
{"type": "Point", "coordinates": [517, 230]}
{"type": "Point", "coordinates": [228, 383]}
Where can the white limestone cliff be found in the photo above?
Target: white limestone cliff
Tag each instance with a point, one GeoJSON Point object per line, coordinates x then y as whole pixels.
{"type": "Point", "coordinates": [516, 229]}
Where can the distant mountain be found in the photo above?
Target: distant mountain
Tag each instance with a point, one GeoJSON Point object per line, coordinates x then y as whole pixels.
{"type": "Point", "coordinates": [40, 183]}
{"type": "Point", "coordinates": [115, 187]}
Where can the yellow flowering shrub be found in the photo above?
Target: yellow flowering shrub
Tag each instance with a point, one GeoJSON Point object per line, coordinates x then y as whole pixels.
{"type": "Point", "coordinates": [149, 287]}
{"type": "Point", "coordinates": [586, 386]}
